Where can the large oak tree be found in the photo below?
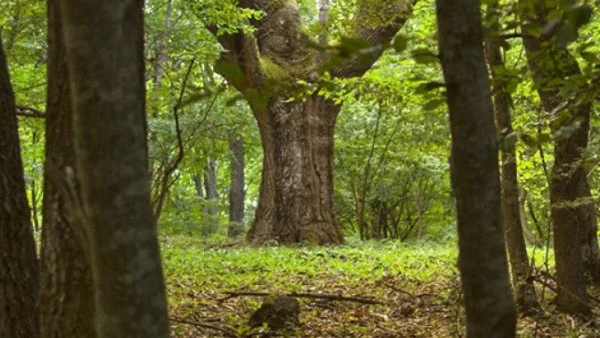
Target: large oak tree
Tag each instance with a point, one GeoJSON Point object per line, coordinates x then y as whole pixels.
{"type": "Point", "coordinates": [296, 192]}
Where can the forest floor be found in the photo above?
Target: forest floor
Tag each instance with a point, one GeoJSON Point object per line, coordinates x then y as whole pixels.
{"type": "Point", "coordinates": [417, 282]}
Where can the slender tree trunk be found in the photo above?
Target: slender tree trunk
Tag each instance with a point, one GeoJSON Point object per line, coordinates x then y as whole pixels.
{"type": "Point", "coordinates": [237, 189]}
{"type": "Point", "coordinates": [198, 185]}
{"type": "Point", "coordinates": [109, 116]}
{"type": "Point", "coordinates": [483, 265]}
{"type": "Point", "coordinates": [67, 296]}
{"type": "Point", "coordinates": [19, 275]}
{"type": "Point", "coordinates": [159, 62]}
{"type": "Point", "coordinates": [34, 204]}
{"type": "Point", "coordinates": [161, 49]}
{"type": "Point", "coordinates": [519, 262]}
{"type": "Point", "coordinates": [210, 186]}
{"type": "Point", "coordinates": [572, 218]}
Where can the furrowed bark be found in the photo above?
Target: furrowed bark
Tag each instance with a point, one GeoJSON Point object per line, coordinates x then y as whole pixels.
{"type": "Point", "coordinates": [19, 273]}
{"type": "Point", "coordinates": [67, 296]}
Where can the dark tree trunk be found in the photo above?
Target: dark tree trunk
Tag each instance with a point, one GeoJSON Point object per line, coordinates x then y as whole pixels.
{"type": "Point", "coordinates": [483, 265]}
{"type": "Point", "coordinates": [296, 192]}
{"type": "Point", "coordinates": [573, 217]}
{"type": "Point", "coordinates": [19, 274]}
{"type": "Point", "coordinates": [67, 296]}
{"type": "Point", "coordinates": [108, 95]}
{"type": "Point", "coordinates": [519, 262]}
{"type": "Point", "coordinates": [237, 189]}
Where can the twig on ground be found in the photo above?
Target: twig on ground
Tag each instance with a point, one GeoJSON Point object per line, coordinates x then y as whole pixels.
{"type": "Point", "coordinates": [227, 331]}
{"type": "Point", "coordinates": [326, 296]}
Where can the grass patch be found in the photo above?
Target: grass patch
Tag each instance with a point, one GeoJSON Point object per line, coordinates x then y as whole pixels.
{"type": "Point", "coordinates": [419, 281]}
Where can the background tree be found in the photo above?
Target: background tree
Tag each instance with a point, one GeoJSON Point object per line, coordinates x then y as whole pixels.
{"type": "Point", "coordinates": [112, 164]}
{"type": "Point", "coordinates": [19, 273]}
{"type": "Point", "coordinates": [483, 266]}
{"type": "Point", "coordinates": [511, 213]}
{"type": "Point", "coordinates": [237, 188]}
{"type": "Point", "coordinates": [555, 74]}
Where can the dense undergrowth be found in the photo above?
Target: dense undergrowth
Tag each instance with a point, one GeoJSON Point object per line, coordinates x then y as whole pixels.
{"type": "Point", "coordinates": [418, 282]}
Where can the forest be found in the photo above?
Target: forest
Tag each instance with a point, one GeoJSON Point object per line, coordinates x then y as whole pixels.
{"type": "Point", "coordinates": [294, 168]}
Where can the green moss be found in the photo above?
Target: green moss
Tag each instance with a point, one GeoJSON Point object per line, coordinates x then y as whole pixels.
{"type": "Point", "coordinates": [274, 72]}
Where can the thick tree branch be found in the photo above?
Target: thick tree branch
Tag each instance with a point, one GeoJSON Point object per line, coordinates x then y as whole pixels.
{"type": "Point", "coordinates": [240, 61]}
{"type": "Point", "coordinates": [377, 24]}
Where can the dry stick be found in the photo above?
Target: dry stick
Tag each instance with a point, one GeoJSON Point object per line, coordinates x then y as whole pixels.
{"type": "Point", "coordinates": [555, 289]}
{"type": "Point", "coordinates": [325, 296]}
{"type": "Point", "coordinates": [228, 332]}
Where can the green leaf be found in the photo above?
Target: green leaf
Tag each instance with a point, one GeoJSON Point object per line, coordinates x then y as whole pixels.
{"type": "Point", "coordinates": [426, 87]}
{"type": "Point", "coordinates": [579, 16]}
{"type": "Point", "coordinates": [424, 56]}
{"type": "Point", "coordinates": [590, 57]}
{"type": "Point", "coordinates": [400, 43]}
{"type": "Point", "coordinates": [433, 104]}
{"type": "Point", "coordinates": [229, 70]}
{"type": "Point", "coordinates": [534, 30]}
{"type": "Point", "coordinates": [349, 46]}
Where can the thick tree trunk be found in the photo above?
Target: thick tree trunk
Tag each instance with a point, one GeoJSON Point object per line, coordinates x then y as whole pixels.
{"type": "Point", "coordinates": [237, 189]}
{"type": "Point", "coordinates": [108, 97]}
{"type": "Point", "coordinates": [519, 262]}
{"type": "Point", "coordinates": [572, 217]}
{"type": "Point", "coordinates": [19, 274]}
{"type": "Point", "coordinates": [483, 265]}
{"type": "Point", "coordinates": [296, 192]}
{"type": "Point", "coordinates": [67, 297]}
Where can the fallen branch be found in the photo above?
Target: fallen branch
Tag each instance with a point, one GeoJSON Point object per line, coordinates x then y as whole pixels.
{"type": "Point", "coordinates": [555, 288]}
{"type": "Point", "coordinates": [227, 331]}
{"type": "Point", "coordinates": [325, 296]}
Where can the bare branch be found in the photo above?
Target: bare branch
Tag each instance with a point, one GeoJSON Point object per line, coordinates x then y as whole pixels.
{"type": "Point", "coordinates": [29, 112]}
{"type": "Point", "coordinates": [325, 296]}
{"type": "Point", "coordinates": [227, 331]}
